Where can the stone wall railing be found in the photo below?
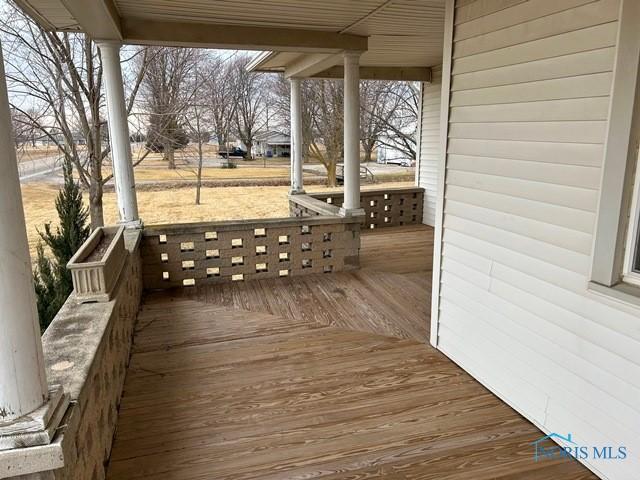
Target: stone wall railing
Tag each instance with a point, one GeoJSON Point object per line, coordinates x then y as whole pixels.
{"type": "Point", "coordinates": [86, 350]}
{"type": "Point", "coordinates": [383, 208]}
{"type": "Point", "coordinates": [186, 255]}
{"type": "Point", "coordinates": [308, 206]}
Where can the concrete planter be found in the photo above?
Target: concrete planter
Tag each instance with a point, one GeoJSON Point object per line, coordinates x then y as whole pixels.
{"type": "Point", "coordinates": [95, 268]}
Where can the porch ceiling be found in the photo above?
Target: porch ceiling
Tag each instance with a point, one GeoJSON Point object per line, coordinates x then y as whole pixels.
{"type": "Point", "coordinates": [392, 33]}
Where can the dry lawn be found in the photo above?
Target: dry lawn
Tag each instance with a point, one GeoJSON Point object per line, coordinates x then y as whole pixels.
{"type": "Point", "coordinates": [174, 206]}
{"type": "Point", "coordinates": [26, 152]}
{"type": "Point", "coordinates": [209, 173]}
{"type": "Point", "coordinates": [189, 157]}
{"type": "Point", "coordinates": [189, 173]}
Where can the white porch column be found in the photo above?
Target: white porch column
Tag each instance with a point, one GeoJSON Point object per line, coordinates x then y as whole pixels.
{"type": "Point", "coordinates": [351, 205]}
{"type": "Point", "coordinates": [296, 137]}
{"type": "Point", "coordinates": [23, 383]}
{"type": "Point", "coordinates": [119, 134]}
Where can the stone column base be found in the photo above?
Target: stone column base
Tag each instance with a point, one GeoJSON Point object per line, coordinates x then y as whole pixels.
{"type": "Point", "coordinates": [132, 225]}
{"type": "Point", "coordinates": [38, 427]}
{"type": "Point", "coordinates": [351, 212]}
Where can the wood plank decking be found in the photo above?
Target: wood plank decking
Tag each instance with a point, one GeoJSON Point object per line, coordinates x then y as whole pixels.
{"type": "Point", "coordinates": [389, 295]}
{"type": "Point", "coordinates": [314, 377]}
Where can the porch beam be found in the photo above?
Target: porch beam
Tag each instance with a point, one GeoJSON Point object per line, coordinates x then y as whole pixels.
{"type": "Point", "coordinates": [119, 134]}
{"type": "Point", "coordinates": [351, 205]}
{"type": "Point", "coordinates": [98, 18]}
{"type": "Point", "coordinates": [309, 65]}
{"type": "Point", "coordinates": [406, 74]}
{"type": "Point", "coordinates": [211, 35]}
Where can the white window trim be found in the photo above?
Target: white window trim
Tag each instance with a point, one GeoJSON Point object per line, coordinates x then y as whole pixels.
{"type": "Point", "coordinates": [629, 275]}
{"type": "Point", "coordinates": [610, 235]}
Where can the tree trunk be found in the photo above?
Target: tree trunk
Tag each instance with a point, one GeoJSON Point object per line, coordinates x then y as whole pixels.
{"type": "Point", "coordinates": [96, 187]}
{"type": "Point", "coordinates": [368, 152]}
{"type": "Point", "coordinates": [199, 179]}
{"type": "Point", "coordinates": [249, 151]}
{"type": "Point", "coordinates": [95, 205]}
{"type": "Point", "coordinates": [331, 173]}
{"type": "Point", "coordinates": [306, 153]}
{"type": "Point", "coordinates": [169, 156]}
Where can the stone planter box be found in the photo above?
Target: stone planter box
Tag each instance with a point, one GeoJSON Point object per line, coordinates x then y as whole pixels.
{"type": "Point", "coordinates": [95, 268]}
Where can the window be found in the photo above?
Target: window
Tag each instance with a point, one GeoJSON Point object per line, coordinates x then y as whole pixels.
{"type": "Point", "coordinates": [631, 268]}
{"type": "Point", "coordinates": [615, 265]}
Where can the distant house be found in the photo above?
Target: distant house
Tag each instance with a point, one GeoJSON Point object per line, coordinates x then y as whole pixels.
{"type": "Point", "coordinates": [48, 141]}
{"type": "Point", "coordinates": [56, 138]}
{"type": "Point", "coordinates": [272, 144]}
{"type": "Point", "coordinates": [385, 153]}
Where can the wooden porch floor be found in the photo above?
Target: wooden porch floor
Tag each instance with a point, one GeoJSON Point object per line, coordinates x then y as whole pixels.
{"type": "Point", "coordinates": [314, 377]}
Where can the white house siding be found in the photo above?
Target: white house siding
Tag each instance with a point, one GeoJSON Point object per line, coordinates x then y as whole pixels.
{"type": "Point", "coordinates": [528, 112]}
{"type": "Point", "coordinates": [430, 144]}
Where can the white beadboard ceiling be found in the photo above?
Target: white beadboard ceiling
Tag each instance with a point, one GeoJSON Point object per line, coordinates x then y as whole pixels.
{"type": "Point", "coordinates": [329, 15]}
{"type": "Point", "coordinates": [401, 33]}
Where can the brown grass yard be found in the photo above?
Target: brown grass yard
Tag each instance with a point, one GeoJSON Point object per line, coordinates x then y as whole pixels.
{"type": "Point", "coordinates": [216, 173]}
{"type": "Point", "coordinates": [190, 155]}
{"type": "Point", "coordinates": [209, 173]}
{"type": "Point", "coordinates": [26, 153]}
{"type": "Point", "coordinates": [174, 205]}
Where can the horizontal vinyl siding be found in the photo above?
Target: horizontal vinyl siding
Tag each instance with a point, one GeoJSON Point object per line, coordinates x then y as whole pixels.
{"type": "Point", "coordinates": [530, 88]}
{"type": "Point", "coordinates": [430, 144]}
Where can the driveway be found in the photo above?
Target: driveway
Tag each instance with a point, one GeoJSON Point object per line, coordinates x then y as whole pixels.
{"type": "Point", "coordinates": [40, 168]}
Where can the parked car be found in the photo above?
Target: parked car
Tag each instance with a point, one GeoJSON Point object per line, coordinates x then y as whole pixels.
{"type": "Point", "coordinates": [234, 152]}
{"type": "Point", "coordinates": [340, 175]}
{"type": "Point", "coordinates": [402, 162]}
{"type": "Point", "coordinates": [365, 174]}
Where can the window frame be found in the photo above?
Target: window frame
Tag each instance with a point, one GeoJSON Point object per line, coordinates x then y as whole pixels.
{"type": "Point", "coordinates": [610, 259]}
{"type": "Point", "coordinates": [632, 244]}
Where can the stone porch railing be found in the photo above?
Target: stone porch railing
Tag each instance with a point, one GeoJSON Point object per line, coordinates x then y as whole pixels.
{"type": "Point", "coordinates": [186, 255]}
{"type": "Point", "coordinates": [86, 350]}
{"type": "Point", "coordinates": [383, 208]}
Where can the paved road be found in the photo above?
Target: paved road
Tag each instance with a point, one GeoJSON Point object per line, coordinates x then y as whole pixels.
{"type": "Point", "coordinates": [375, 168]}
{"type": "Point", "coordinates": [37, 169]}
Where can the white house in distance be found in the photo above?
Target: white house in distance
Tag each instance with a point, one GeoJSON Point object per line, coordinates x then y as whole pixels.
{"type": "Point", "coordinates": [387, 153]}
{"type": "Point", "coordinates": [272, 144]}
{"type": "Point", "coordinates": [528, 152]}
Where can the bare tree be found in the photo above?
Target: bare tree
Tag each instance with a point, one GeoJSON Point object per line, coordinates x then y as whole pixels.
{"type": "Point", "coordinates": [281, 90]}
{"type": "Point", "coordinates": [221, 99]}
{"type": "Point", "coordinates": [326, 98]}
{"type": "Point", "coordinates": [195, 119]}
{"type": "Point", "coordinates": [22, 127]}
{"type": "Point", "coordinates": [376, 108]}
{"type": "Point", "coordinates": [61, 76]}
{"type": "Point", "coordinates": [167, 92]}
{"type": "Point", "coordinates": [388, 116]}
{"type": "Point", "coordinates": [280, 104]}
{"type": "Point", "coordinates": [400, 120]}
{"type": "Point", "coordinates": [250, 102]}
